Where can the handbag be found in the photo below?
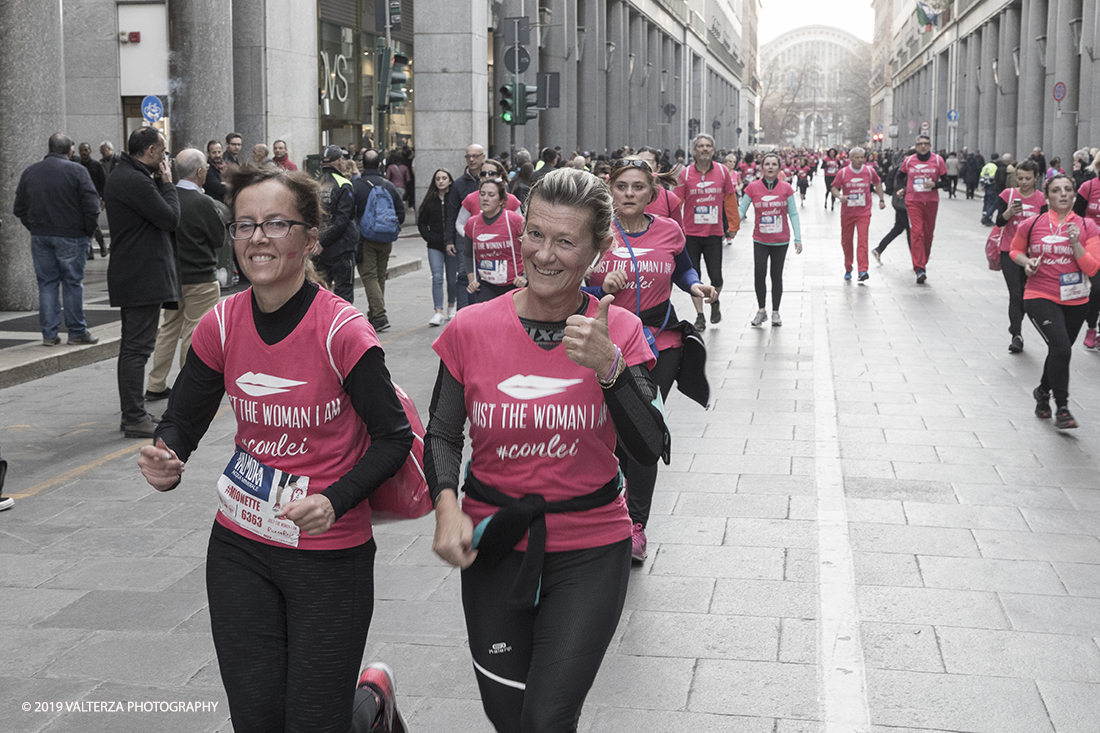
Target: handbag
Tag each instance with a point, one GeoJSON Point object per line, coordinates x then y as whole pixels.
{"type": "Point", "coordinates": [993, 249]}
{"type": "Point", "coordinates": [404, 495]}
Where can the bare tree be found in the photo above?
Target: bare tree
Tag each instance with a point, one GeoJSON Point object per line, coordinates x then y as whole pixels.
{"type": "Point", "coordinates": [785, 92]}
{"type": "Point", "coordinates": [854, 95]}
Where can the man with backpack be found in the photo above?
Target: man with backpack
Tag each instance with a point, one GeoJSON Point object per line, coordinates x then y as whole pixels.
{"type": "Point", "coordinates": [380, 214]}
{"type": "Point", "coordinates": [340, 237]}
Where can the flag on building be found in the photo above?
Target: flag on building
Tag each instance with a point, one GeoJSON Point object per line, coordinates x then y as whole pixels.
{"type": "Point", "coordinates": [926, 17]}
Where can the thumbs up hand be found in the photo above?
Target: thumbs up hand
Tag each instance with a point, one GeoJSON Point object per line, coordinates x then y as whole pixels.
{"type": "Point", "coordinates": [587, 341]}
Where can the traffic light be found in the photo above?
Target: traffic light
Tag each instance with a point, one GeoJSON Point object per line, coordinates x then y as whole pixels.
{"type": "Point", "coordinates": [509, 104]}
{"type": "Point", "coordinates": [398, 78]}
{"type": "Point", "coordinates": [528, 95]}
{"type": "Point", "coordinates": [391, 78]}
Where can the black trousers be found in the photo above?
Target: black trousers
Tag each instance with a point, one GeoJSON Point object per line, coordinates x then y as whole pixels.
{"type": "Point", "coordinates": [778, 255]}
{"type": "Point", "coordinates": [1059, 324]}
{"type": "Point", "coordinates": [1094, 304]}
{"type": "Point", "coordinates": [641, 480]}
{"type": "Point", "coordinates": [289, 628]}
{"type": "Point", "coordinates": [708, 249]}
{"type": "Point", "coordinates": [535, 668]}
{"type": "Point", "coordinates": [1015, 279]}
{"type": "Point", "coordinates": [901, 224]}
{"type": "Point", "coordinates": [340, 275]}
{"type": "Point", "coordinates": [139, 336]}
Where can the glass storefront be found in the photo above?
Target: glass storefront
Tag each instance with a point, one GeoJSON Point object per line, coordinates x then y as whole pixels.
{"type": "Point", "coordinates": [348, 90]}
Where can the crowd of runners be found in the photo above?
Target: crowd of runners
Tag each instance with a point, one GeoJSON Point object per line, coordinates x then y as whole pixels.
{"type": "Point", "coordinates": [559, 344]}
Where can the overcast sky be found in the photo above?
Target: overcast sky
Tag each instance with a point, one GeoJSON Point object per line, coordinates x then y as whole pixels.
{"type": "Point", "coordinates": [779, 16]}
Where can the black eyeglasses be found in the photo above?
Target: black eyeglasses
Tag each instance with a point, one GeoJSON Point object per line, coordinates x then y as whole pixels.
{"type": "Point", "coordinates": [624, 163]}
{"type": "Point", "coordinates": [488, 174]}
{"type": "Point", "coordinates": [272, 228]}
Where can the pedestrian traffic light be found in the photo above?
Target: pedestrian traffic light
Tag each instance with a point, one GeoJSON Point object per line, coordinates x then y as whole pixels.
{"type": "Point", "coordinates": [528, 95]}
{"type": "Point", "coordinates": [509, 102]}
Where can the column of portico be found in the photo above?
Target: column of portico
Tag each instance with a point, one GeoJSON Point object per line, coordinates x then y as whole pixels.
{"type": "Point", "coordinates": [1090, 75]}
{"type": "Point", "coordinates": [988, 100]}
{"type": "Point", "coordinates": [636, 57]}
{"type": "Point", "coordinates": [33, 84]}
{"type": "Point", "coordinates": [1049, 106]}
{"type": "Point", "coordinates": [1007, 93]}
{"type": "Point", "coordinates": [1067, 69]}
{"type": "Point", "coordinates": [618, 93]}
{"type": "Point", "coordinates": [592, 101]}
{"type": "Point", "coordinates": [201, 88]}
{"type": "Point", "coordinates": [559, 126]}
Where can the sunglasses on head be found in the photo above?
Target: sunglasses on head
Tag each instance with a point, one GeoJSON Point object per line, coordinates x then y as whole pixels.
{"type": "Point", "coordinates": [623, 163]}
{"type": "Point", "coordinates": [487, 174]}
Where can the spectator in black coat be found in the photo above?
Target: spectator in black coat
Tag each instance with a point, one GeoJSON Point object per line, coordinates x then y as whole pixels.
{"type": "Point", "coordinates": [431, 220]}
{"type": "Point", "coordinates": [99, 180]}
{"type": "Point", "coordinates": [143, 210]}
{"type": "Point", "coordinates": [213, 186]}
{"type": "Point", "coordinates": [463, 186]}
{"type": "Point", "coordinates": [340, 234]}
{"type": "Point", "coordinates": [58, 204]}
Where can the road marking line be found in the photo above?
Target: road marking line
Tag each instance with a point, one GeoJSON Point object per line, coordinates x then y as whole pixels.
{"type": "Point", "coordinates": [78, 471]}
{"type": "Point", "coordinates": [83, 469]}
{"type": "Point", "coordinates": [843, 670]}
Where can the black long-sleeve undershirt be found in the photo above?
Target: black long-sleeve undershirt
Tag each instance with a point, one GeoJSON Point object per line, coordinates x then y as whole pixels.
{"type": "Point", "coordinates": [1002, 206]}
{"type": "Point", "coordinates": [639, 425]}
{"type": "Point", "coordinates": [198, 390]}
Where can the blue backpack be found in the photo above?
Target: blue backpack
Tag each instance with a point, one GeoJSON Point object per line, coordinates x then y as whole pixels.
{"type": "Point", "coordinates": [379, 220]}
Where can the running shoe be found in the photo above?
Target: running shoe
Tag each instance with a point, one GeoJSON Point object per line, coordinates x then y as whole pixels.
{"type": "Point", "coordinates": [700, 322]}
{"type": "Point", "coordinates": [921, 277]}
{"type": "Point", "coordinates": [1016, 346]}
{"type": "Point", "coordinates": [863, 276]}
{"type": "Point", "coordinates": [637, 543]}
{"type": "Point", "coordinates": [715, 312]}
{"type": "Point", "coordinates": [436, 320]}
{"type": "Point", "coordinates": [1063, 420]}
{"type": "Point", "coordinates": [848, 275]}
{"type": "Point", "coordinates": [776, 320]}
{"type": "Point", "coordinates": [761, 316]}
{"type": "Point", "coordinates": [1042, 403]}
{"type": "Point", "coordinates": [6, 502]}
{"type": "Point", "coordinates": [877, 254]}
{"type": "Point", "coordinates": [378, 678]}
{"type": "Point", "coordinates": [1090, 338]}
{"type": "Point", "coordinates": [451, 312]}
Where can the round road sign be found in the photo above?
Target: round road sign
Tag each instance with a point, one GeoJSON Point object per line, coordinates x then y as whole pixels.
{"type": "Point", "coordinates": [953, 115]}
{"type": "Point", "coordinates": [510, 59]}
{"type": "Point", "coordinates": [1059, 91]}
{"type": "Point", "coordinates": [152, 109]}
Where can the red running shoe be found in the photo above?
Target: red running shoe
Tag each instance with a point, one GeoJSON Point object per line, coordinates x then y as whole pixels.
{"type": "Point", "coordinates": [637, 543]}
{"type": "Point", "coordinates": [378, 678]}
{"type": "Point", "coordinates": [1090, 338]}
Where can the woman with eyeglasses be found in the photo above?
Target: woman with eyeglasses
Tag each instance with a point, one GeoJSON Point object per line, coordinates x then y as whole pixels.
{"type": "Point", "coordinates": [1059, 251]}
{"type": "Point", "coordinates": [494, 264]}
{"type": "Point", "coordinates": [776, 212]}
{"type": "Point", "coordinates": [471, 205]}
{"type": "Point", "coordinates": [645, 260]}
{"type": "Point", "coordinates": [550, 379]}
{"type": "Point", "coordinates": [290, 590]}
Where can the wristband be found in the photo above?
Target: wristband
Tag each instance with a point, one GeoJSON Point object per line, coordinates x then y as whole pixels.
{"type": "Point", "coordinates": [611, 373]}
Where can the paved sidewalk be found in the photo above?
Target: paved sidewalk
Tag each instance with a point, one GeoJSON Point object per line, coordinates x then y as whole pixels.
{"type": "Point", "coordinates": [868, 531]}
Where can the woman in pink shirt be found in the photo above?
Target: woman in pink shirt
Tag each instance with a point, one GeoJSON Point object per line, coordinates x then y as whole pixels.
{"type": "Point", "coordinates": [319, 428]}
{"type": "Point", "coordinates": [549, 379]}
{"type": "Point", "coordinates": [1059, 252]}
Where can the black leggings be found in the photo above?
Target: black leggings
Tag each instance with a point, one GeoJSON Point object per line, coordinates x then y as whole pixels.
{"type": "Point", "coordinates": [1094, 304]}
{"type": "Point", "coordinates": [534, 668]}
{"type": "Point", "coordinates": [1015, 279]}
{"type": "Point", "coordinates": [289, 628]}
{"type": "Point", "coordinates": [1059, 324]}
{"type": "Point", "coordinates": [829, 190]}
{"type": "Point", "coordinates": [901, 224]}
{"type": "Point", "coordinates": [778, 253]}
{"type": "Point", "coordinates": [640, 480]}
{"type": "Point", "coordinates": [710, 248]}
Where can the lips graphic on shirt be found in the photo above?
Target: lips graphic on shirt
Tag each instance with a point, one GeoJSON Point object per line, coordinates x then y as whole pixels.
{"type": "Point", "coordinates": [486, 237]}
{"type": "Point", "coordinates": [260, 385]}
{"type": "Point", "coordinates": [706, 184]}
{"type": "Point", "coordinates": [532, 386]}
{"type": "Point", "coordinates": [624, 253]}
{"type": "Point", "coordinates": [768, 198]}
{"type": "Point", "coordinates": [855, 180]}
{"type": "Point", "coordinates": [1055, 239]}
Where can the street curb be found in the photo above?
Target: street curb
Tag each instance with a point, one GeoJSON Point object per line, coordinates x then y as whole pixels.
{"type": "Point", "coordinates": [20, 364]}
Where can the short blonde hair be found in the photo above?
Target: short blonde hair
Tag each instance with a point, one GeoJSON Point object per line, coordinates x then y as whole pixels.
{"type": "Point", "coordinates": [576, 189]}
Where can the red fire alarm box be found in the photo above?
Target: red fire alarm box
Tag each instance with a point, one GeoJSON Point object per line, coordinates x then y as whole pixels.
{"type": "Point", "coordinates": [135, 37]}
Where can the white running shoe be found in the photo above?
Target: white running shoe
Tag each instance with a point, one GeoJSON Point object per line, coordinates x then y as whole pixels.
{"type": "Point", "coordinates": [451, 311]}
{"type": "Point", "coordinates": [776, 320]}
{"type": "Point", "coordinates": [761, 316]}
{"type": "Point", "coordinates": [436, 320]}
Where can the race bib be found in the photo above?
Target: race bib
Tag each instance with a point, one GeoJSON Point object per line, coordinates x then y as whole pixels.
{"type": "Point", "coordinates": [771, 224]}
{"type": "Point", "coordinates": [857, 199]}
{"type": "Point", "coordinates": [1074, 286]}
{"type": "Point", "coordinates": [706, 214]}
{"type": "Point", "coordinates": [251, 494]}
{"type": "Point", "coordinates": [494, 272]}
{"type": "Point", "coordinates": [920, 183]}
